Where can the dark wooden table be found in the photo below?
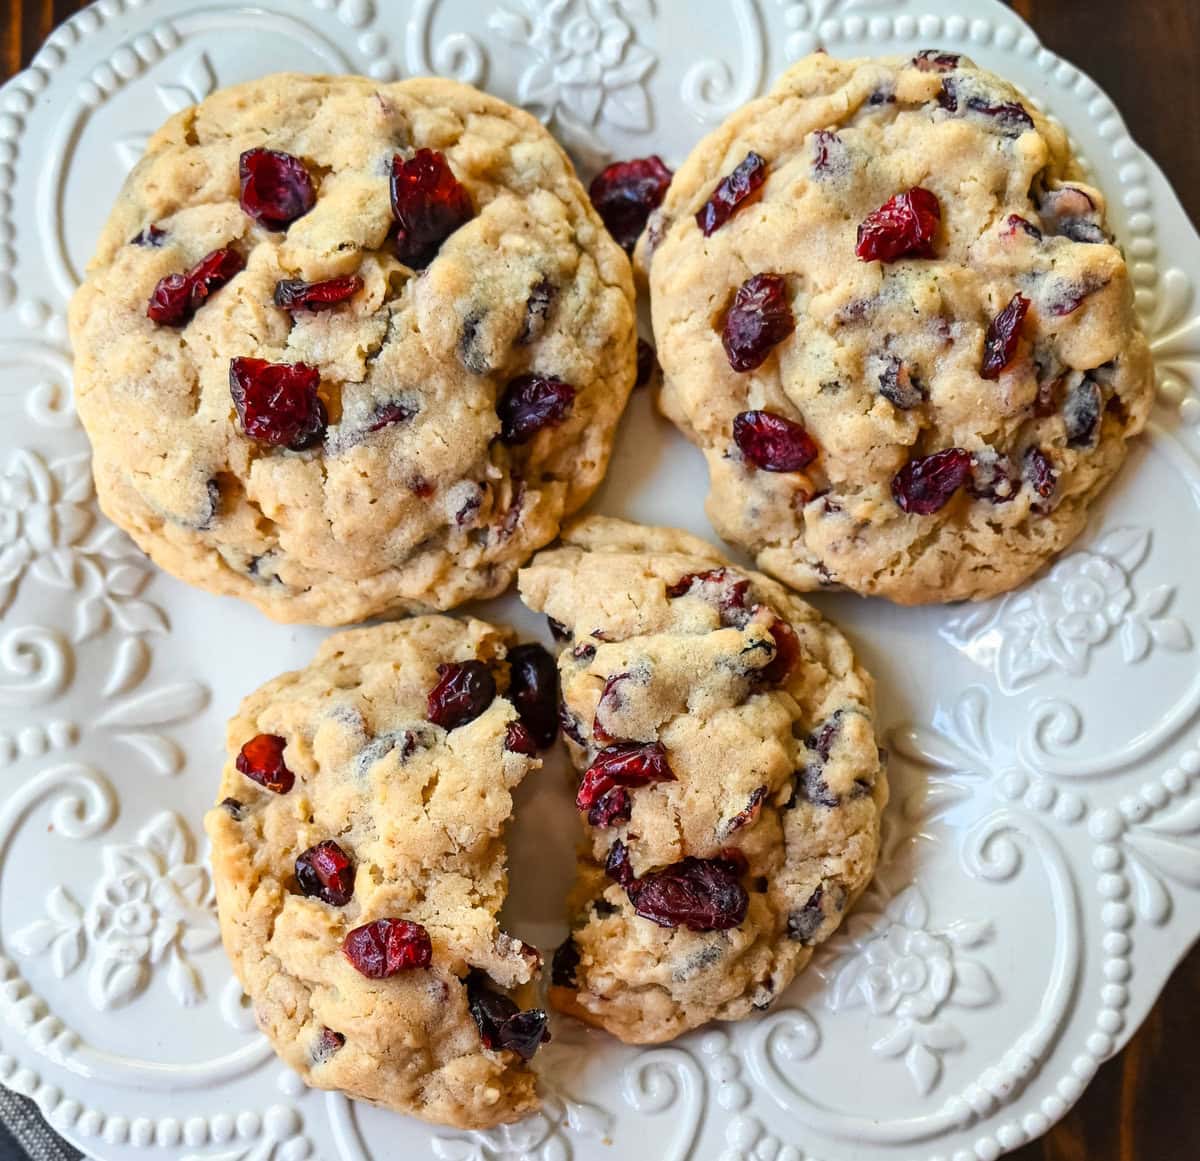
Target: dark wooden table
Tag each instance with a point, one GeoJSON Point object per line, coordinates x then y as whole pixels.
{"type": "Point", "coordinates": [1139, 1107]}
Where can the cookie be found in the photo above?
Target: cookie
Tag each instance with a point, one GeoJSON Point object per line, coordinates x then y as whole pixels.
{"type": "Point", "coordinates": [349, 348]}
{"type": "Point", "coordinates": [891, 314]}
{"type": "Point", "coordinates": [359, 862]}
{"type": "Point", "coordinates": [731, 784]}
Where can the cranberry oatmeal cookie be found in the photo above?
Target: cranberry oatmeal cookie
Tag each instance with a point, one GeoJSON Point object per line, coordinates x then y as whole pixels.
{"type": "Point", "coordinates": [349, 348]}
{"type": "Point", "coordinates": [359, 863]}
{"type": "Point", "coordinates": [892, 316]}
{"type": "Point", "coordinates": [731, 782]}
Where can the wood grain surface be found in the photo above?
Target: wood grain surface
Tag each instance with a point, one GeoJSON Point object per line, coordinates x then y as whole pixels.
{"type": "Point", "coordinates": [1144, 1105]}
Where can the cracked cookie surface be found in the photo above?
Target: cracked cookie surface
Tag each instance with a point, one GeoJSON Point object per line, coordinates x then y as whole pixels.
{"type": "Point", "coordinates": [731, 782]}
{"type": "Point", "coordinates": [893, 318]}
{"type": "Point", "coordinates": [398, 487]}
{"type": "Point", "coordinates": [359, 863]}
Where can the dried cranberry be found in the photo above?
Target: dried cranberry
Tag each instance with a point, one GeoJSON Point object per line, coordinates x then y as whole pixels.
{"type": "Point", "coordinates": [733, 192]}
{"type": "Point", "coordinates": [429, 204]}
{"type": "Point", "coordinates": [1011, 115]}
{"type": "Point", "coordinates": [464, 690]}
{"type": "Point", "coordinates": [584, 652]}
{"type": "Point", "coordinates": [502, 1025]}
{"type": "Point", "coordinates": [530, 403]}
{"type": "Point", "coordinates": [759, 320]}
{"type": "Point", "coordinates": [296, 294]}
{"type": "Point", "coordinates": [277, 403]}
{"type": "Point", "coordinates": [647, 364]}
{"type": "Point", "coordinates": [558, 630]}
{"type": "Point", "coordinates": [926, 484]}
{"type": "Point", "coordinates": [826, 142]}
{"type": "Point", "coordinates": [617, 865]}
{"type": "Point", "coordinates": [611, 808]}
{"type": "Point", "coordinates": [565, 964]}
{"type": "Point", "coordinates": [1046, 402]}
{"type": "Point", "coordinates": [933, 60]}
{"type": "Point", "coordinates": [533, 690]}
{"type": "Point", "coordinates": [804, 923]}
{"type": "Point", "coordinates": [903, 227]}
{"type": "Point", "coordinates": [900, 387]}
{"type": "Point", "coordinates": [748, 815]}
{"type": "Point", "coordinates": [1003, 333]}
{"type": "Point", "coordinates": [150, 236]}
{"type": "Point", "coordinates": [629, 764]}
{"type": "Point", "coordinates": [787, 653]}
{"type": "Point", "coordinates": [730, 594]}
{"type": "Point", "coordinates": [389, 414]}
{"type": "Point", "coordinates": [388, 946]}
{"type": "Point", "coordinates": [611, 700]}
{"type": "Point", "coordinates": [1067, 296]}
{"type": "Point", "coordinates": [261, 760]}
{"type": "Point", "coordinates": [328, 1044]}
{"type": "Point", "coordinates": [276, 188]}
{"type": "Point", "coordinates": [325, 872]}
{"type": "Point", "coordinates": [626, 192]}
{"type": "Point", "coordinates": [821, 741]}
{"type": "Point", "coordinates": [518, 740]}
{"type": "Point", "coordinates": [178, 296]}
{"type": "Point", "coordinates": [1039, 471]}
{"type": "Point", "coordinates": [699, 894]}
{"type": "Point", "coordinates": [772, 442]}
{"type": "Point", "coordinates": [1081, 413]}
{"type": "Point", "coordinates": [1015, 222]}
{"type": "Point", "coordinates": [993, 478]}
{"type": "Point", "coordinates": [948, 95]}
{"type": "Point", "coordinates": [569, 724]}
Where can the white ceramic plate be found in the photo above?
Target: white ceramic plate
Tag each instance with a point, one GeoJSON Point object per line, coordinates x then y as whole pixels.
{"type": "Point", "coordinates": [1042, 866]}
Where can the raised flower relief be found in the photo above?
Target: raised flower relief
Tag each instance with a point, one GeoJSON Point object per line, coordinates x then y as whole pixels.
{"type": "Point", "coordinates": [890, 961]}
{"type": "Point", "coordinates": [588, 66]}
{"type": "Point", "coordinates": [153, 907]}
{"type": "Point", "coordinates": [43, 508]}
{"type": "Point", "coordinates": [1057, 623]}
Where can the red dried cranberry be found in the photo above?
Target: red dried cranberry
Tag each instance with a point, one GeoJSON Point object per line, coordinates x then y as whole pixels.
{"type": "Point", "coordinates": [699, 894]}
{"type": "Point", "coordinates": [647, 364]}
{"type": "Point", "coordinates": [948, 95]}
{"type": "Point", "coordinates": [730, 594]}
{"type": "Point", "coordinates": [502, 1025]}
{"type": "Point", "coordinates": [1009, 114]}
{"type": "Point", "coordinates": [1039, 471]}
{"type": "Point", "coordinates": [518, 740]}
{"type": "Point", "coordinates": [565, 964]}
{"type": "Point", "coordinates": [748, 815]}
{"type": "Point", "coordinates": [630, 764]}
{"type": "Point", "coordinates": [903, 227]}
{"type": "Point", "coordinates": [733, 192]}
{"type": "Point", "coordinates": [530, 403]}
{"type": "Point", "coordinates": [773, 443]}
{"type": "Point", "coordinates": [150, 236]}
{"type": "Point", "coordinates": [626, 192]}
{"type": "Point", "coordinates": [611, 809]}
{"type": "Point", "coordinates": [277, 403]}
{"type": "Point", "coordinates": [617, 865]}
{"type": "Point", "coordinates": [826, 142]}
{"type": "Point", "coordinates": [926, 484]}
{"type": "Point", "coordinates": [759, 320]}
{"type": "Point", "coordinates": [296, 294]}
{"type": "Point", "coordinates": [533, 690]}
{"type": "Point", "coordinates": [611, 700]}
{"type": "Point", "coordinates": [328, 1043]}
{"type": "Point", "coordinates": [787, 653]}
{"type": "Point", "coordinates": [900, 387]}
{"type": "Point", "coordinates": [933, 60]}
{"type": "Point", "coordinates": [464, 690]}
{"type": "Point", "coordinates": [1003, 334]}
{"type": "Point", "coordinates": [261, 760]}
{"type": "Point", "coordinates": [388, 946]}
{"type": "Point", "coordinates": [1015, 222]}
{"type": "Point", "coordinates": [821, 741]}
{"type": "Point", "coordinates": [276, 188]}
{"type": "Point", "coordinates": [429, 204]}
{"type": "Point", "coordinates": [325, 872]}
{"type": "Point", "coordinates": [178, 296]}
{"type": "Point", "coordinates": [389, 414]}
